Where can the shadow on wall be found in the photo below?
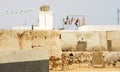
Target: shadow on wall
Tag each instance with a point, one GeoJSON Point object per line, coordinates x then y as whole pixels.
{"type": "Point", "coordinates": [67, 49]}
{"type": "Point", "coordinates": [115, 49]}
{"type": "Point", "coordinates": [96, 48]}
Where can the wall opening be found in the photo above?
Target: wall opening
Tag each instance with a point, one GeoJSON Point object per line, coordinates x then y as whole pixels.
{"type": "Point", "coordinates": [81, 46]}
{"type": "Point", "coordinates": [109, 45]}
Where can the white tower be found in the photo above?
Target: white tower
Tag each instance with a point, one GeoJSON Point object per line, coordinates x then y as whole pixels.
{"type": "Point", "coordinates": [45, 18]}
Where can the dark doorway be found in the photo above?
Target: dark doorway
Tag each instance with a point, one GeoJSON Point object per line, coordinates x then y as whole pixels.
{"type": "Point", "coordinates": [81, 46]}
{"type": "Point", "coordinates": [109, 45]}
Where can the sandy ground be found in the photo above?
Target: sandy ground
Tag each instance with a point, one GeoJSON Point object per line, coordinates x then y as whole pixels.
{"type": "Point", "coordinates": [75, 68]}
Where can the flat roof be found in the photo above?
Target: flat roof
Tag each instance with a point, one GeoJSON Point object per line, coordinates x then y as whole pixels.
{"type": "Point", "coordinates": [99, 27]}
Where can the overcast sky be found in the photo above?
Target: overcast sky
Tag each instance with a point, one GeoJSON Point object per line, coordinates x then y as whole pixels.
{"type": "Point", "coordinates": [96, 11]}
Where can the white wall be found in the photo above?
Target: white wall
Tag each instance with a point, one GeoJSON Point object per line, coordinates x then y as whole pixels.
{"type": "Point", "coordinates": [45, 20]}
{"type": "Point", "coordinates": [94, 39]}
{"type": "Point", "coordinates": [114, 36]}
{"type": "Point", "coordinates": [22, 28]}
{"type": "Point", "coordinates": [99, 27]}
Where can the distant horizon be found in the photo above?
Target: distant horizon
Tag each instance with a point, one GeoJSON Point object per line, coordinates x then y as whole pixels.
{"type": "Point", "coordinates": [97, 12]}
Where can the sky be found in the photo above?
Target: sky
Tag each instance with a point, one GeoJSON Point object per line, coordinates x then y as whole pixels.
{"type": "Point", "coordinates": [97, 12]}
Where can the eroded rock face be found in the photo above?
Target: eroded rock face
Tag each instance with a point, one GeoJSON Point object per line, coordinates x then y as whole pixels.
{"type": "Point", "coordinates": [29, 39]}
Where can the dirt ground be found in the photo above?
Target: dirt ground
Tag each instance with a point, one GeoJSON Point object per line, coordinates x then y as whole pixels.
{"type": "Point", "coordinates": [76, 68]}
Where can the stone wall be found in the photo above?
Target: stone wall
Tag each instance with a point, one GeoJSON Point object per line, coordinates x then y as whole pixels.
{"type": "Point", "coordinates": [114, 36]}
{"type": "Point", "coordinates": [95, 40]}
{"type": "Point", "coordinates": [50, 39]}
{"type": "Point", "coordinates": [29, 39]}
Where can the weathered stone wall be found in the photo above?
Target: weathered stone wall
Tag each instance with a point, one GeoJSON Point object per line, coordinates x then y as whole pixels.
{"type": "Point", "coordinates": [8, 40]}
{"type": "Point", "coordinates": [68, 39]}
{"type": "Point", "coordinates": [95, 39]}
{"type": "Point", "coordinates": [50, 39]}
{"type": "Point", "coordinates": [29, 39]}
{"type": "Point", "coordinates": [114, 36]}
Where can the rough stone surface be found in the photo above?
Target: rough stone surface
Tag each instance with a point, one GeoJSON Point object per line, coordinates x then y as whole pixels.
{"type": "Point", "coordinates": [94, 39]}
{"type": "Point", "coordinates": [29, 39]}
